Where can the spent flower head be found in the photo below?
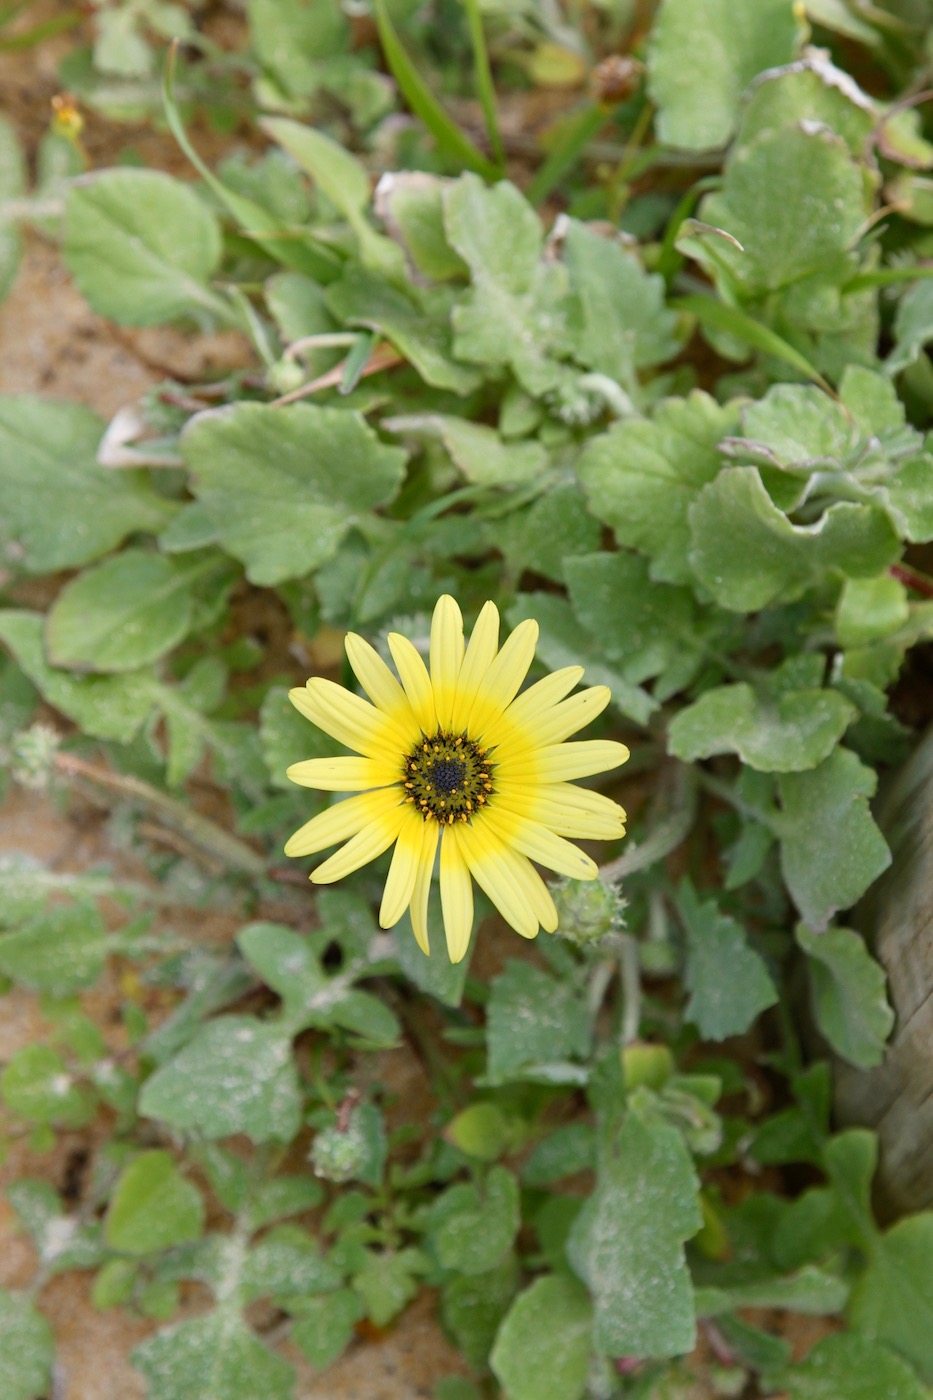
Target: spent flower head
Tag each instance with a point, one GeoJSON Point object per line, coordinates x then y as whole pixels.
{"type": "Point", "coordinates": [453, 757]}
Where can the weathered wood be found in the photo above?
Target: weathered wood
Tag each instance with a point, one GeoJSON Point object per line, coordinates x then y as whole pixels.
{"type": "Point", "coordinates": [896, 1099]}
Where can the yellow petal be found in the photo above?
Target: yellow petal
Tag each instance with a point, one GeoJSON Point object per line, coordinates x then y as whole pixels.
{"type": "Point", "coordinates": [476, 662]}
{"type": "Point", "coordinates": [415, 679]}
{"type": "Point", "coordinates": [400, 881]}
{"type": "Point", "coordinates": [349, 719]}
{"type": "Point", "coordinates": [381, 686]}
{"type": "Point", "coordinates": [544, 693]}
{"type": "Point", "coordinates": [559, 762]}
{"type": "Point", "coordinates": [535, 724]}
{"type": "Point", "coordinates": [539, 844]}
{"type": "Point", "coordinates": [365, 846]}
{"type": "Point", "coordinates": [422, 890]}
{"type": "Point", "coordinates": [456, 895]}
{"type": "Point", "coordinates": [492, 867]}
{"type": "Point", "coordinates": [340, 821]}
{"type": "Point", "coordinates": [446, 657]}
{"type": "Point", "coordinates": [504, 677]}
{"type": "Point", "coordinates": [558, 723]}
{"type": "Point", "coordinates": [566, 809]}
{"type": "Point", "coordinates": [344, 774]}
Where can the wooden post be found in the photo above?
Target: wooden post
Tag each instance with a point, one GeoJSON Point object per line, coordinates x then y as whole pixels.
{"type": "Point", "coordinates": [896, 1099]}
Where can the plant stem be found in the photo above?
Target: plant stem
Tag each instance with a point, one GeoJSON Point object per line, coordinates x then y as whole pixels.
{"type": "Point", "coordinates": [206, 835]}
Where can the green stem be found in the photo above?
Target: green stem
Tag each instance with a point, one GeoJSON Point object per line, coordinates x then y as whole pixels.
{"type": "Point", "coordinates": [630, 977]}
{"type": "Point", "coordinates": [484, 87]}
{"type": "Point", "coordinates": [200, 831]}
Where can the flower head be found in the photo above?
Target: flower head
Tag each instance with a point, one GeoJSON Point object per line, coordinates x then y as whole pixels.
{"type": "Point", "coordinates": [455, 757]}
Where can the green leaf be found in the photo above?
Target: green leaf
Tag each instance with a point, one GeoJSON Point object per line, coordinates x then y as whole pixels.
{"type": "Point", "coordinates": [287, 1263]}
{"type": "Point", "coordinates": [542, 1349]}
{"type": "Point", "coordinates": [153, 1207]}
{"type": "Point", "coordinates": [281, 1196]}
{"type": "Point", "coordinates": [564, 1152]}
{"type": "Point", "coordinates": [697, 71]}
{"type": "Point", "coordinates": [826, 1218]}
{"type": "Point", "coordinates": [893, 1300]}
{"type": "Point", "coordinates": [294, 40]}
{"type": "Point", "coordinates": [853, 1366]}
{"type": "Point", "coordinates": [236, 1076]}
{"type": "Point", "coordinates": [473, 1305]}
{"type": "Point", "coordinates": [643, 475]}
{"type": "Point", "coordinates": [121, 614]}
{"type": "Point", "coordinates": [415, 321]}
{"type": "Point", "coordinates": [870, 609]}
{"type": "Point", "coordinates": [728, 981]}
{"type": "Point", "coordinates": [36, 1085]}
{"type": "Point", "coordinates": [323, 1327]}
{"type": "Point", "coordinates": [533, 1019]}
{"type": "Point", "coordinates": [786, 733]}
{"type": "Point", "coordinates": [477, 451]}
{"type": "Point", "coordinates": [770, 559]}
{"type": "Point", "coordinates": [59, 950]}
{"type": "Point", "coordinates": [848, 989]}
{"type": "Point", "coordinates": [215, 1355]}
{"type": "Point", "coordinates": [831, 849]}
{"type": "Point", "coordinates": [27, 1348]}
{"type": "Point", "coordinates": [798, 427]}
{"type": "Point", "coordinates": [515, 313]}
{"type": "Point", "coordinates": [410, 202]}
{"type": "Point", "coordinates": [387, 1282]}
{"type": "Point", "coordinates": [284, 486]}
{"type": "Point", "coordinates": [142, 247]}
{"type": "Point", "coordinates": [648, 629]}
{"type": "Point", "coordinates": [625, 326]}
{"type": "Point", "coordinates": [106, 707]}
{"type": "Point", "coordinates": [345, 183]}
{"type": "Point", "coordinates": [470, 1228]}
{"type": "Point", "coordinates": [765, 203]}
{"type": "Point", "coordinates": [811, 89]}
{"type": "Point", "coordinates": [548, 534]}
{"type": "Point", "coordinates": [481, 1130]}
{"type": "Point", "coordinates": [286, 962]}
{"type": "Point", "coordinates": [60, 508]}
{"type": "Point", "coordinates": [627, 1242]}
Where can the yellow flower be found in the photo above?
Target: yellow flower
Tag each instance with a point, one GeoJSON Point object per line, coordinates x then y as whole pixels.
{"type": "Point", "coordinates": [456, 757]}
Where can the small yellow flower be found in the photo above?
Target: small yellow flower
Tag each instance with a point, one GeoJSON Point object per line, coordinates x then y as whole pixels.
{"type": "Point", "coordinates": [456, 757]}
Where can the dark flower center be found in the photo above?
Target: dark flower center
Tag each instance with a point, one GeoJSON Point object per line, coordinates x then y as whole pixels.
{"type": "Point", "coordinates": [448, 777]}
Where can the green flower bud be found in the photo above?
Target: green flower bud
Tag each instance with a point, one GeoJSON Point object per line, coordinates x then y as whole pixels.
{"type": "Point", "coordinates": [337, 1155]}
{"type": "Point", "coordinates": [284, 376]}
{"type": "Point", "coordinates": [588, 910]}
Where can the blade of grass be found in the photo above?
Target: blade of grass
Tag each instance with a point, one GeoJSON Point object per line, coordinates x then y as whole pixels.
{"type": "Point", "coordinates": [484, 88]}
{"type": "Point", "coordinates": [713, 313]}
{"type": "Point", "coordinates": [47, 30]}
{"type": "Point", "coordinates": [450, 139]}
{"type": "Point", "coordinates": [569, 148]}
{"type": "Point", "coordinates": [887, 277]}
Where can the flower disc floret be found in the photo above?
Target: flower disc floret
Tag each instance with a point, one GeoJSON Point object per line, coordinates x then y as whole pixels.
{"type": "Point", "coordinates": [448, 777]}
{"type": "Point", "coordinates": [454, 764]}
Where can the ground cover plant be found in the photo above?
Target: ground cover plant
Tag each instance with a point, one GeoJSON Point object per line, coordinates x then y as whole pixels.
{"type": "Point", "coordinates": [654, 387]}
